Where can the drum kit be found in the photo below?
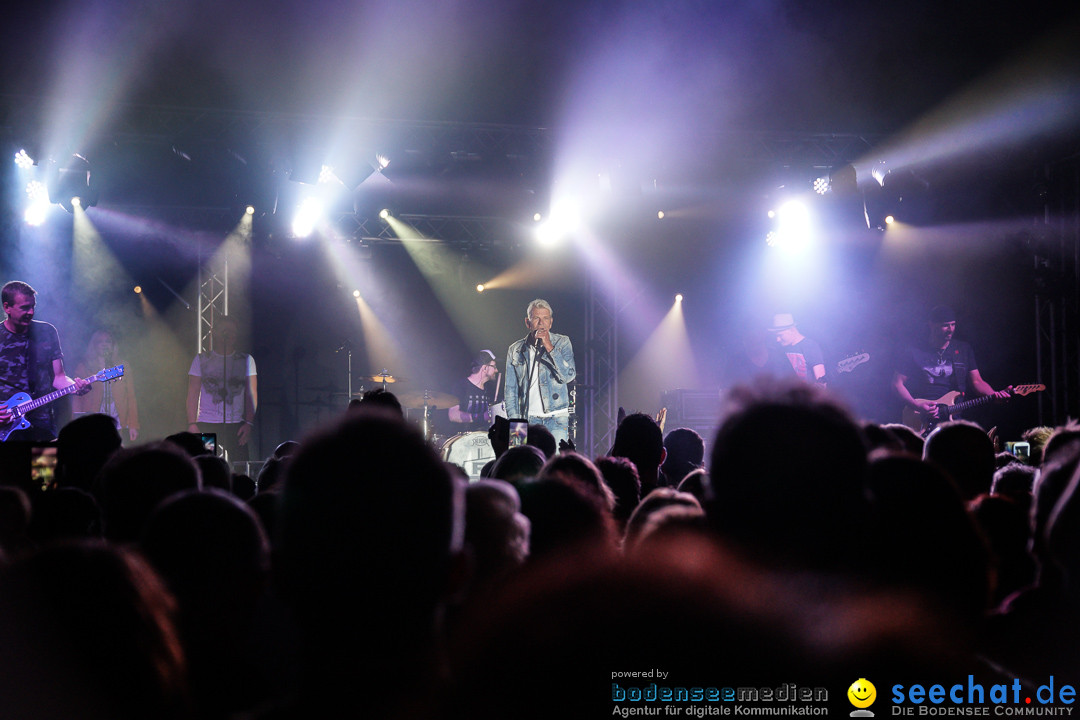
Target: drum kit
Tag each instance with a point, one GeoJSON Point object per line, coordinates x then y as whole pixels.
{"type": "Point", "coordinates": [468, 450]}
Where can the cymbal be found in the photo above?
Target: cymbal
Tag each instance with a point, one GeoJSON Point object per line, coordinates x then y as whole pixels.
{"type": "Point", "coordinates": [383, 378]}
{"type": "Point", "coordinates": [417, 399]}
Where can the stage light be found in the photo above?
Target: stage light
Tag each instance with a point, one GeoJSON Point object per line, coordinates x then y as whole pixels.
{"type": "Point", "coordinates": [327, 176]}
{"type": "Point", "coordinates": [879, 171]}
{"type": "Point", "coordinates": [821, 185]}
{"type": "Point", "coordinates": [678, 297]}
{"type": "Point", "coordinates": [307, 215]}
{"type": "Point", "coordinates": [772, 214]}
{"type": "Point", "coordinates": [23, 160]}
{"type": "Point", "coordinates": [537, 217]}
{"type": "Point", "coordinates": [36, 191]}
{"type": "Point", "coordinates": [250, 210]}
{"type": "Point", "coordinates": [138, 289]}
{"type": "Point", "coordinates": [480, 288]}
{"type": "Point", "coordinates": [36, 213]}
{"type": "Point", "coordinates": [794, 226]}
{"type": "Point", "coordinates": [660, 215]}
{"type": "Point", "coordinates": [356, 293]}
{"type": "Point", "coordinates": [564, 220]}
{"type": "Point", "coordinates": [889, 219]}
{"type": "Point", "coordinates": [382, 161]}
{"type": "Point", "coordinates": [73, 180]}
{"type": "Point", "coordinates": [76, 202]}
{"type": "Point", "coordinates": [384, 213]}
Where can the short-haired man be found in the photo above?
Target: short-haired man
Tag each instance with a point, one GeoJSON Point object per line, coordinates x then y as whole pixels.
{"type": "Point", "coordinates": [475, 399]}
{"type": "Point", "coordinates": [539, 370]}
{"type": "Point", "coordinates": [31, 362]}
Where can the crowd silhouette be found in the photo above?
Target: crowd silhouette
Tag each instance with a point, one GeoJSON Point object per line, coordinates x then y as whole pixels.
{"type": "Point", "coordinates": [361, 575]}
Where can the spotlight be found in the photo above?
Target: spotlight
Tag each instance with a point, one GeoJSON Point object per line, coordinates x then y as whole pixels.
{"type": "Point", "coordinates": [138, 289]}
{"type": "Point", "coordinates": [250, 210]}
{"type": "Point", "coordinates": [678, 297]}
{"type": "Point", "coordinates": [36, 191]}
{"type": "Point", "coordinates": [74, 180]}
{"type": "Point", "coordinates": [38, 208]}
{"type": "Point", "coordinates": [889, 219]}
{"type": "Point", "coordinates": [563, 221]}
{"type": "Point", "coordinates": [23, 160]}
{"type": "Point", "coordinates": [537, 217]}
{"type": "Point", "coordinates": [356, 293]}
{"type": "Point", "coordinates": [35, 214]}
{"type": "Point", "coordinates": [821, 185]}
{"type": "Point", "coordinates": [382, 161]}
{"type": "Point", "coordinates": [384, 213]}
{"type": "Point", "coordinates": [660, 215]}
{"type": "Point", "coordinates": [480, 288]}
{"type": "Point", "coordinates": [307, 215]}
{"type": "Point", "coordinates": [76, 202]}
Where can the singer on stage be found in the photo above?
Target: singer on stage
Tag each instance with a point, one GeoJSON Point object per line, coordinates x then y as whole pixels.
{"type": "Point", "coordinates": [539, 368]}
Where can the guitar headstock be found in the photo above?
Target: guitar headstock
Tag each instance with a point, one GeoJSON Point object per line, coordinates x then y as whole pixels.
{"type": "Point", "coordinates": [1026, 389]}
{"type": "Point", "coordinates": [852, 361]}
{"type": "Point", "coordinates": [109, 374]}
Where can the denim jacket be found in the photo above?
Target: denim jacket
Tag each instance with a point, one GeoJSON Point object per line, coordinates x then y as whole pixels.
{"type": "Point", "coordinates": [556, 369]}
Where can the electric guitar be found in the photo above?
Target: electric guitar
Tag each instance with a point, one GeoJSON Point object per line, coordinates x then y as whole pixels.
{"type": "Point", "coordinates": [947, 406]}
{"type": "Point", "coordinates": [20, 404]}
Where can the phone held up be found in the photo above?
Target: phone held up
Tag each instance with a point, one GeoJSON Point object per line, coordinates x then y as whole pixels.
{"type": "Point", "coordinates": [519, 431]}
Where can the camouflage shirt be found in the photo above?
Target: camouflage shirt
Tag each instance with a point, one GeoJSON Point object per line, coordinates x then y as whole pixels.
{"type": "Point", "coordinates": [26, 366]}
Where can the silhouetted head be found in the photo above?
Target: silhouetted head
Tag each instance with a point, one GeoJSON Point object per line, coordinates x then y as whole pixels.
{"type": "Point", "coordinates": [369, 521]}
{"type": "Point", "coordinates": [965, 452]}
{"type": "Point", "coordinates": [786, 474]}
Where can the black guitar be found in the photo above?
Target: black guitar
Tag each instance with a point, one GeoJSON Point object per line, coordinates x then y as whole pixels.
{"type": "Point", "coordinates": [20, 404]}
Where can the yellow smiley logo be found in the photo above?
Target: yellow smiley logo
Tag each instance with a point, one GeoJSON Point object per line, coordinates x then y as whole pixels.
{"type": "Point", "coordinates": [862, 693]}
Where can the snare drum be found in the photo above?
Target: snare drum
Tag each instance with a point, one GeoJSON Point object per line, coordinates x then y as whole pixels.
{"type": "Point", "coordinates": [471, 450]}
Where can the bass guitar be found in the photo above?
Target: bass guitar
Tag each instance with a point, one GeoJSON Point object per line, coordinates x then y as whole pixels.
{"type": "Point", "coordinates": [947, 406]}
{"type": "Point", "coordinates": [20, 404]}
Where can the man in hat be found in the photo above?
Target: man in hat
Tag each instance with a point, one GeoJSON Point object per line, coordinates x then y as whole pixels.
{"type": "Point", "coordinates": [925, 374]}
{"type": "Point", "coordinates": [804, 354]}
{"type": "Point", "coordinates": [473, 411]}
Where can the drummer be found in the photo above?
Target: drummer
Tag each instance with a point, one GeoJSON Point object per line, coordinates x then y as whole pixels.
{"type": "Point", "coordinates": [475, 397]}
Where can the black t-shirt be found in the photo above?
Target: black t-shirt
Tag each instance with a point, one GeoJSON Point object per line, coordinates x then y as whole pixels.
{"type": "Point", "coordinates": [932, 373]}
{"type": "Point", "coordinates": [804, 356]}
{"type": "Point", "coordinates": [475, 401]}
{"type": "Point", "coordinates": [26, 366]}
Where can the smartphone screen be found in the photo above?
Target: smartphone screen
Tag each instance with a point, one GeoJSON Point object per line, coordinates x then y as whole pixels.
{"type": "Point", "coordinates": [519, 432]}
{"type": "Point", "coordinates": [1019, 449]}
{"type": "Point", "coordinates": [43, 465]}
{"type": "Point", "coordinates": [209, 441]}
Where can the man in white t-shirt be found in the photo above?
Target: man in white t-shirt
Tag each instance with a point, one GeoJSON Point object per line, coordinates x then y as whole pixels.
{"type": "Point", "coordinates": [222, 395]}
{"type": "Point", "coordinates": [539, 370]}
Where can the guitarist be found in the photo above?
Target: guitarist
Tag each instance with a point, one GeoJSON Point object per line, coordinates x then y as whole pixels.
{"type": "Point", "coordinates": [943, 365]}
{"type": "Point", "coordinates": [31, 361]}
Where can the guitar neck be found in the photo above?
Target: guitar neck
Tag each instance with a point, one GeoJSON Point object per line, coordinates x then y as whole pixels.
{"type": "Point", "coordinates": [46, 399]}
{"type": "Point", "coordinates": [961, 406]}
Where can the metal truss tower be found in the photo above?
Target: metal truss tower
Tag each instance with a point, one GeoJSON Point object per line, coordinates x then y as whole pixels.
{"type": "Point", "coordinates": [213, 297]}
{"type": "Point", "coordinates": [598, 388]}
